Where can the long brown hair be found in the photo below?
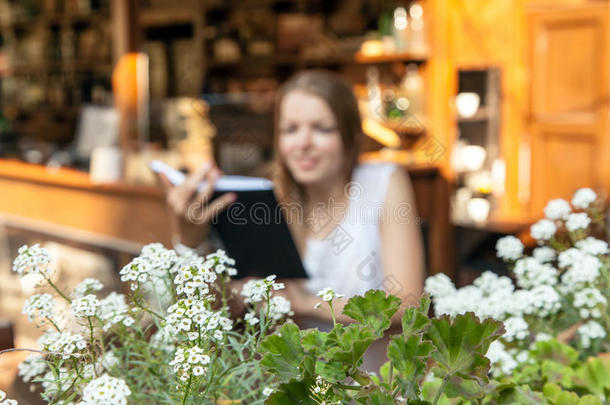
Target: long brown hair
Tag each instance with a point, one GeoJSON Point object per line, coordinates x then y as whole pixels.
{"type": "Point", "coordinates": [338, 94]}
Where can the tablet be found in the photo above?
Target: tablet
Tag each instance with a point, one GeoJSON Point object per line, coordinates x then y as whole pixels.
{"type": "Point", "coordinates": [252, 229]}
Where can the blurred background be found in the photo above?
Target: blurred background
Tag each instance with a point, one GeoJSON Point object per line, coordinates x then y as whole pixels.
{"type": "Point", "coordinates": [492, 106]}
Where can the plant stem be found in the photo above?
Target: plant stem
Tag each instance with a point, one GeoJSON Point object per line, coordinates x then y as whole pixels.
{"type": "Point", "coordinates": [391, 376]}
{"type": "Point", "coordinates": [441, 389]}
{"type": "Point", "coordinates": [48, 280]}
{"type": "Point", "coordinates": [186, 392]}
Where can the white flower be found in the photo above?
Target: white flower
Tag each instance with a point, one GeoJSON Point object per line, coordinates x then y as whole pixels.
{"type": "Point", "coordinates": [63, 344]}
{"type": "Point", "coordinates": [543, 230]}
{"type": "Point", "coordinates": [516, 329]}
{"type": "Point", "coordinates": [593, 246]}
{"type": "Point", "coordinates": [267, 391]}
{"type": "Point", "coordinates": [251, 318]}
{"type": "Point", "coordinates": [439, 285]}
{"type": "Point", "coordinates": [557, 209]}
{"type": "Point", "coordinates": [32, 260]}
{"type": "Point", "coordinates": [590, 331]}
{"type": "Point", "coordinates": [588, 300]}
{"type": "Point", "coordinates": [530, 273]}
{"type": "Point", "coordinates": [278, 308]}
{"type": "Point", "coordinates": [39, 305]}
{"type": "Point", "coordinates": [577, 221]}
{"type": "Point", "coordinates": [189, 360]}
{"type": "Point", "coordinates": [113, 310]}
{"type": "Point", "coordinates": [85, 306]}
{"type": "Point", "coordinates": [543, 337]}
{"type": "Point", "coordinates": [583, 198]}
{"type": "Point", "coordinates": [502, 362]}
{"type": "Point", "coordinates": [544, 254]}
{"type": "Point", "coordinates": [583, 269]}
{"type": "Point", "coordinates": [87, 286]}
{"type": "Point", "coordinates": [490, 283]}
{"type": "Point", "coordinates": [328, 294]}
{"type": "Point", "coordinates": [509, 248]}
{"type": "Point", "coordinates": [33, 366]}
{"type": "Point", "coordinates": [106, 390]}
{"type": "Point", "coordinates": [543, 301]}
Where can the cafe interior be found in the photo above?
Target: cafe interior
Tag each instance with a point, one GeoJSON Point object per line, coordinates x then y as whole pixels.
{"type": "Point", "coordinates": [492, 107]}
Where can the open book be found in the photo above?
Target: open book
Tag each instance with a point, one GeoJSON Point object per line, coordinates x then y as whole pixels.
{"type": "Point", "coordinates": [252, 229]}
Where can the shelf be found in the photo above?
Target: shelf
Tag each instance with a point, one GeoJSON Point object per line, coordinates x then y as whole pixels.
{"type": "Point", "coordinates": [403, 57]}
{"type": "Point", "coordinates": [57, 18]}
{"type": "Point", "coordinates": [481, 115]}
{"type": "Point", "coordinates": [46, 67]}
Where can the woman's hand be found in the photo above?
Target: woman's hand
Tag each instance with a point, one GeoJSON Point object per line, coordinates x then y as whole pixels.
{"type": "Point", "coordinates": [191, 213]}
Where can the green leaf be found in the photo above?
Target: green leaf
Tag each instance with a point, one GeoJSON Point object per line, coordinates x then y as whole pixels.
{"type": "Point", "coordinates": [594, 375]}
{"type": "Point", "coordinates": [555, 351]}
{"type": "Point", "coordinates": [377, 398]}
{"type": "Point", "coordinates": [461, 344]}
{"type": "Point", "coordinates": [415, 320]}
{"type": "Point", "coordinates": [409, 356]}
{"type": "Point", "coordinates": [590, 400]}
{"type": "Point", "coordinates": [282, 353]}
{"type": "Point", "coordinates": [554, 372]}
{"type": "Point", "coordinates": [293, 392]}
{"type": "Point", "coordinates": [347, 344]}
{"type": "Point", "coordinates": [374, 309]}
{"type": "Point", "coordinates": [557, 396]}
{"type": "Point", "coordinates": [522, 395]}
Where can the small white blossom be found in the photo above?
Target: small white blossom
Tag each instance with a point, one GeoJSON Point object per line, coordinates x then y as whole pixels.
{"type": "Point", "coordinates": [583, 270]}
{"type": "Point", "coordinates": [531, 273]}
{"type": "Point", "coordinates": [114, 310]}
{"type": "Point", "coordinates": [278, 308]}
{"type": "Point", "coordinates": [251, 318]}
{"type": "Point", "coordinates": [87, 286]}
{"type": "Point", "coordinates": [106, 390]}
{"type": "Point", "coordinates": [189, 360]}
{"type": "Point", "coordinates": [593, 246]}
{"type": "Point", "coordinates": [516, 329]}
{"type": "Point", "coordinates": [32, 260]}
{"type": "Point", "coordinates": [63, 344]}
{"type": "Point", "coordinates": [543, 230]}
{"type": "Point", "coordinates": [583, 198]}
{"type": "Point", "coordinates": [85, 306]}
{"type": "Point", "coordinates": [328, 294]}
{"type": "Point", "coordinates": [577, 221]}
{"type": "Point", "coordinates": [267, 391]}
{"type": "Point", "coordinates": [544, 254]}
{"type": "Point", "coordinates": [543, 337]}
{"type": "Point", "coordinates": [543, 301]}
{"type": "Point", "coordinates": [589, 300]}
{"type": "Point", "coordinates": [509, 248]}
{"type": "Point", "coordinates": [439, 285]}
{"type": "Point", "coordinates": [4, 401]}
{"type": "Point", "coordinates": [503, 363]}
{"type": "Point", "coordinates": [39, 306]}
{"type": "Point", "coordinates": [590, 331]}
{"type": "Point", "coordinates": [557, 209]}
{"type": "Point", "coordinates": [33, 366]}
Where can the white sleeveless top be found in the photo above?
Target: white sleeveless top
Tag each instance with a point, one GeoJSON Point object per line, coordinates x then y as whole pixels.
{"type": "Point", "coordinates": [349, 258]}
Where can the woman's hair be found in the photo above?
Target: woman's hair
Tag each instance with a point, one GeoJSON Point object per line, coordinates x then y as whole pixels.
{"type": "Point", "coordinates": [338, 95]}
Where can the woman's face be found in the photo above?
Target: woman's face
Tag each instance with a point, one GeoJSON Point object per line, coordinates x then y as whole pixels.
{"type": "Point", "coordinates": [309, 141]}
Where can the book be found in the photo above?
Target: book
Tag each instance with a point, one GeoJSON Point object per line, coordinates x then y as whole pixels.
{"type": "Point", "coordinates": [252, 229]}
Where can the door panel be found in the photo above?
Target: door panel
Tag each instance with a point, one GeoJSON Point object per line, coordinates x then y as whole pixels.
{"type": "Point", "coordinates": [568, 112]}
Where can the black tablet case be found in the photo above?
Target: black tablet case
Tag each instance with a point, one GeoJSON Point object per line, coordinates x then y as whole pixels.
{"type": "Point", "coordinates": [255, 234]}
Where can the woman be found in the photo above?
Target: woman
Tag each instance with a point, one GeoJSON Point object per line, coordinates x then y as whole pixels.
{"type": "Point", "coordinates": [355, 228]}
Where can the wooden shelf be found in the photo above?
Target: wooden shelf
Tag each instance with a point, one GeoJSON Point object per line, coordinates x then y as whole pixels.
{"type": "Point", "coordinates": [403, 57]}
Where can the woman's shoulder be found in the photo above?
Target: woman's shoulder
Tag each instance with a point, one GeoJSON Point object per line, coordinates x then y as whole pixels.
{"type": "Point", "coordinates": [374, 169]}
{"type": "Point", "coordinates": [373, 178]}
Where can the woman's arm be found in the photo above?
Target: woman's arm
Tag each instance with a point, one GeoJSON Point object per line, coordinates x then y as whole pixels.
{"type": "Point", "coordinates": [402, 250]}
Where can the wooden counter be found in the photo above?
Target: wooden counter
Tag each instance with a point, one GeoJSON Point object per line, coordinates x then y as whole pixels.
{"type": "Point", "coordinates": [65, 203]}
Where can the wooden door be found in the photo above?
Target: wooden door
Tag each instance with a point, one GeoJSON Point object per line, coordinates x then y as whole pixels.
{"type": "Point", "coordinates": [568, 110]}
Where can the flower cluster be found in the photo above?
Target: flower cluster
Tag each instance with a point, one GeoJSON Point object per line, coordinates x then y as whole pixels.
{"type": "Point", "coordinates": [106, 390]}
{"type": "Point", "coordinates": [193, 280]}
{"type": "Point", "coordinates": [328, 294]}
{"type": "Point", "coordinates": [114, 310]}
{"type": "Point", "coordinates": [189, 362]}
{"type": "Point", "coordinates": [191, 317]}
{"type": "Point", "coordinates": [257, 290]}
{"type": "Point", "coordinates": [39, 306]}
{"type": "Point", "coordinates": [85, 306]}
{"type": "Point", "coordinates": [63, 344]}
{"type": "Point", "coordinates": [567, 272]}
{"type": "Point", "coordinates": [87, 286]}
{"type": "Point", "coordinates": [32, 367]}
{"type": "Point", "coordinates": [32, 260]}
